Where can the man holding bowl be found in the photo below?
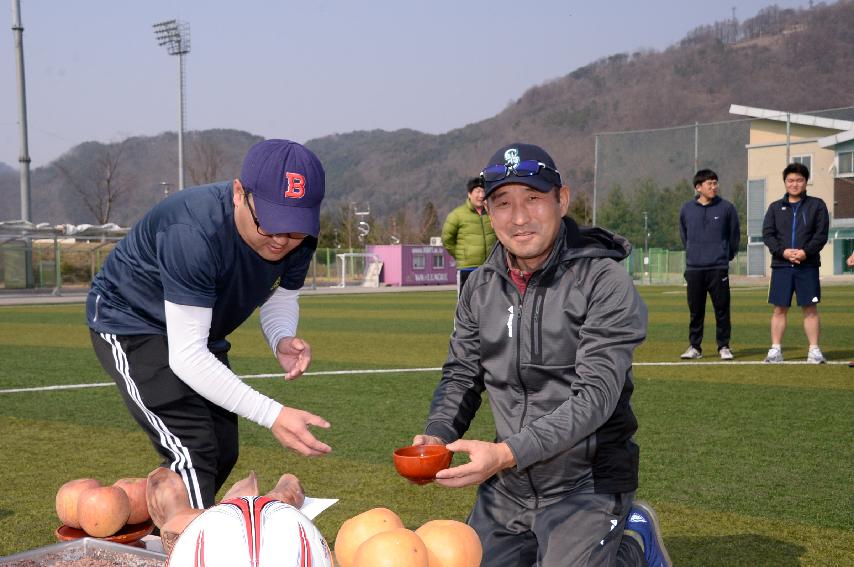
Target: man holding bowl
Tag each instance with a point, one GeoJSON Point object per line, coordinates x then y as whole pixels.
{"type": "Point", "coordinates": [547, 326]}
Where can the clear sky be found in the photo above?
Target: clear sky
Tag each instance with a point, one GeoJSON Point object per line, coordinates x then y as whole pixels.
{"type": "Point", "coordinates": [301, 70]}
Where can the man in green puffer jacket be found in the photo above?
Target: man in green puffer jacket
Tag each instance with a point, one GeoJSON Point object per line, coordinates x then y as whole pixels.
{"type": "Point", "coordinates": [467, 234]}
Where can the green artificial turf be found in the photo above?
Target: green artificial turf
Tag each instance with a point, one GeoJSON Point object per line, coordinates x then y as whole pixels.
{"type": "Point", "coordinates": [745, 464]}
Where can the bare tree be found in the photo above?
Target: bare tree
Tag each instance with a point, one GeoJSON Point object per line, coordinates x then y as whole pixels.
{"type": "Point", "coordinates": [346, 222]}
{"type": "Point", "coordinates": [206, 161]}
{"type": "Point", "coordinates": [580, 208]}
{"type": "Point", "coordinates": [429, 223]}
{"type": "Point", "coordinates": [95, 173]}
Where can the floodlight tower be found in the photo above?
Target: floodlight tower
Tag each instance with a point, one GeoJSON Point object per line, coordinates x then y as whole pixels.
{"type": "Point", "coordinates": [24, 156]}
{"type": "Point", "coordinates": [175, 35]}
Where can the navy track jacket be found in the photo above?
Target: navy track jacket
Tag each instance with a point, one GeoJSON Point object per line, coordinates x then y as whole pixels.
{"type": "Point", "coordinates": [807, 230]}
{"type": "Point", "coordinates": [710, 234]}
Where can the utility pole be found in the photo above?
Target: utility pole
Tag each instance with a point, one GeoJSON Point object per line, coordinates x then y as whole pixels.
{"type": "Point", "coordinates": [696, 146]}
{"type": "Point", "coordinates": [362, 225]}
{"type": "Point", "coordinates": [646, 265]}
{"type": "Point", "coordinates": [175, 36]}
{"type": "Point", "coordinates": [788, 138]}
{"type": "Point", "coordinates": [24, 156]}
{"type": "Point", "coordinates": [595, 171]}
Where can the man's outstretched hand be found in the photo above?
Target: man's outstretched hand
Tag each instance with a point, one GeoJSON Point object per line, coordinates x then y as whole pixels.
{"type": "Point", "coordinates": [291, 430]}
{"type": "Point", "coordinates": [485, 459]}
{"type": "Point", "coordinates": [294, 356]}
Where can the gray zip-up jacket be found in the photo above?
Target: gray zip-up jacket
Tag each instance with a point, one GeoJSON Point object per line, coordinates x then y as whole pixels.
{"type": "Point", "coordinates": [557, 365]}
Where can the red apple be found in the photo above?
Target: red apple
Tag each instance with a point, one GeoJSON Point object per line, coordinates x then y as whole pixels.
{"type": "Point", "coordinates": [103, 511]}
{"type": "Point", "coordinates": [66, 500]}
{"type": "Point", "coordinates": [135, 489]}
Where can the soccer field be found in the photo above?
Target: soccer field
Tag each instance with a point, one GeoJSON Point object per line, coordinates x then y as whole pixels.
{"type": "Point", "coordinates": [745, 463]}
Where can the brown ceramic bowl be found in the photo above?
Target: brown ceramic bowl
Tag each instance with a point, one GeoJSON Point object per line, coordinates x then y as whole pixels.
{"type": "Point", "coordinates": [130, 534]}
{"type": "Point", "coordinates": [420, 463]}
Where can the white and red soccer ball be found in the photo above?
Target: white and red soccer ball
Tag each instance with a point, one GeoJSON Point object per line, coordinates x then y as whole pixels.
{"type": "Point", "coordinates": [254, 531]}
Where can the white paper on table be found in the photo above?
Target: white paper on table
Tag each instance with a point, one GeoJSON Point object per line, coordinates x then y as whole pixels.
{"type": "Point", "coordinates": [312, 507]}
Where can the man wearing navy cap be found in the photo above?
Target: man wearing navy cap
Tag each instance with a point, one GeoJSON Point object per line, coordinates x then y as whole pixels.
{"type": "Point", "coordinates": [547, 326]}
{"type": "Point", "coordinates": [190, 272]}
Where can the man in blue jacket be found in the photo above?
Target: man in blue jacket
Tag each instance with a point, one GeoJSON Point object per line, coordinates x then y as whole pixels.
{"type": "Point", "coordinates": [795, 230]}
{"type": "Point", "coordinates": [710, 234]}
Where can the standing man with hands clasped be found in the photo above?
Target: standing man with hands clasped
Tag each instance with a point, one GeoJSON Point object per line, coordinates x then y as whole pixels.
{"type": "Point", "coordinates": [190, 272]}
{"type": "Point", "coordinates": [547, 326]}
{"type": "Point", "coordinates": [795, 230]}
{"type": "Point", "coordinates": [710, 234]}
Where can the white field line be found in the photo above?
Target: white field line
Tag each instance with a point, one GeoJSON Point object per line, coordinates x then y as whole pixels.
{"type": "Point", "coordinates": [246, 377]}
{"type": "Point", "coordinates": [402, 370]}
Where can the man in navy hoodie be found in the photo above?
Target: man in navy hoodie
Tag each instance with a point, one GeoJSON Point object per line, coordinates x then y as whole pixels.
{"type": "Point", "coordinates": [795, 230]}
{"type": "Point", "coordinates": [710, 234]}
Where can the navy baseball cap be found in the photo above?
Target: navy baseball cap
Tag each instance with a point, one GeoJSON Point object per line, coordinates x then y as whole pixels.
{"type": "Point", "coordinates": [288, 183]}
{"type": "Point", "coordinates": [521, 163]}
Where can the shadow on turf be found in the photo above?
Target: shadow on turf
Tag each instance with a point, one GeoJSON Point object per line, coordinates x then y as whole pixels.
{"type": "Point", "coordinates": [742, 352]}
{"type": "Point", "coordinates": [793, 353]}
{"type": "Point", "coordinates": [746, 549]}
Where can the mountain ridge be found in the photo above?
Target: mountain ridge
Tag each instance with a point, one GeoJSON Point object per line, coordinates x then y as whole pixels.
{"type": "Point", "coordinates": [793, 60]}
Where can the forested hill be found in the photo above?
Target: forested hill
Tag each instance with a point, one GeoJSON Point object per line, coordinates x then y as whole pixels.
{"type": "Point", "coordinates": [793, 60]}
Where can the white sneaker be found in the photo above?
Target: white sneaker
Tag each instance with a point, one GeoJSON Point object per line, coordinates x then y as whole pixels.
{"type": "Point", "coordinates": [726, 354]}
{"type": "Point", "coordinates": [774, 355]}
{"type": "Point", "coordinates": [691, 354]}
{"type": "Point", "coordinates": [815, 357]}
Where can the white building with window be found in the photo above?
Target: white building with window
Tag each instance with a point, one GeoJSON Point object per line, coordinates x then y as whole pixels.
{"type": "Point", "coordinates": [826, 147]}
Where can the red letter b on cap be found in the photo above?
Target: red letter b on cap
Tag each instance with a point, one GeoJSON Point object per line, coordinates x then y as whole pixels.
{"type": "Point", "coordinates": [296, 185]}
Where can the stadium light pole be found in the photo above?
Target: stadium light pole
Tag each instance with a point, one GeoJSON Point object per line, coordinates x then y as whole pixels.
{"type": "Point", "coordinates": [24, 156]}
{"type": "Point", "coordinates": [175, 36]}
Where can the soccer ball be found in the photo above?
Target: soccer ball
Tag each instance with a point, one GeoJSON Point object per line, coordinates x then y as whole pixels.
{"type": "Point", "coordinates": [251, 531]}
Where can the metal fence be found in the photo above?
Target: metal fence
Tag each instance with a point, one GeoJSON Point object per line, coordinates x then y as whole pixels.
{"type": "Point", "coordinates": [666, 267]}
{"type": "Point", "coordinates": [668, 156]}
{"type": "Point", "coordinates": [68, 264]}
{"type": "Point", "coordinates": [53, 264]}
{"type": "Point", "coordinates": [43, 257]}
{"type": "Point", "coordinates": [57, 264]}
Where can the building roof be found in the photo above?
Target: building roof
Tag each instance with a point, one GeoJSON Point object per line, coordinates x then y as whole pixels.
{"type": "Point", "coordinates": [846, 127]}
{"type": "Point", "coordinates": [792, 117]}
{"type": "Point", "coordinates": [830, 141]}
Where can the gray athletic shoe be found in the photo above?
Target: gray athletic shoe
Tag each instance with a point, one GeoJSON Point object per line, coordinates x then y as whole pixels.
{"type": "Point", "coordinates": [726, 354]}
{"type": "Point", "coordinates": [691, 354]}
{"type": "Point", "coordinates": [815, 357]}
{"type": "Point", "coordinates": [774, 355]}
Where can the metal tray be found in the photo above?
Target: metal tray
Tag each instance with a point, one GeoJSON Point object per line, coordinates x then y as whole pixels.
{"type": "Point", "coordinates": [88, 547]}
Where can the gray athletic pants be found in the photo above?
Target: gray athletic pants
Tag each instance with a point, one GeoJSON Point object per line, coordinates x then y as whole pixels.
{"type": "Point", "coordinates": [581, 529]}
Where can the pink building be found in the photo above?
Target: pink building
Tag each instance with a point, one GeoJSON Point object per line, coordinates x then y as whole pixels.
{"type": "Point", "coordinates": [415, 264]}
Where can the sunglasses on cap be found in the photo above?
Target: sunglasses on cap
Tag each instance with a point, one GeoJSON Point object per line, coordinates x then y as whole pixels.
{"type": "Point", "coordinates": [525, 168]}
